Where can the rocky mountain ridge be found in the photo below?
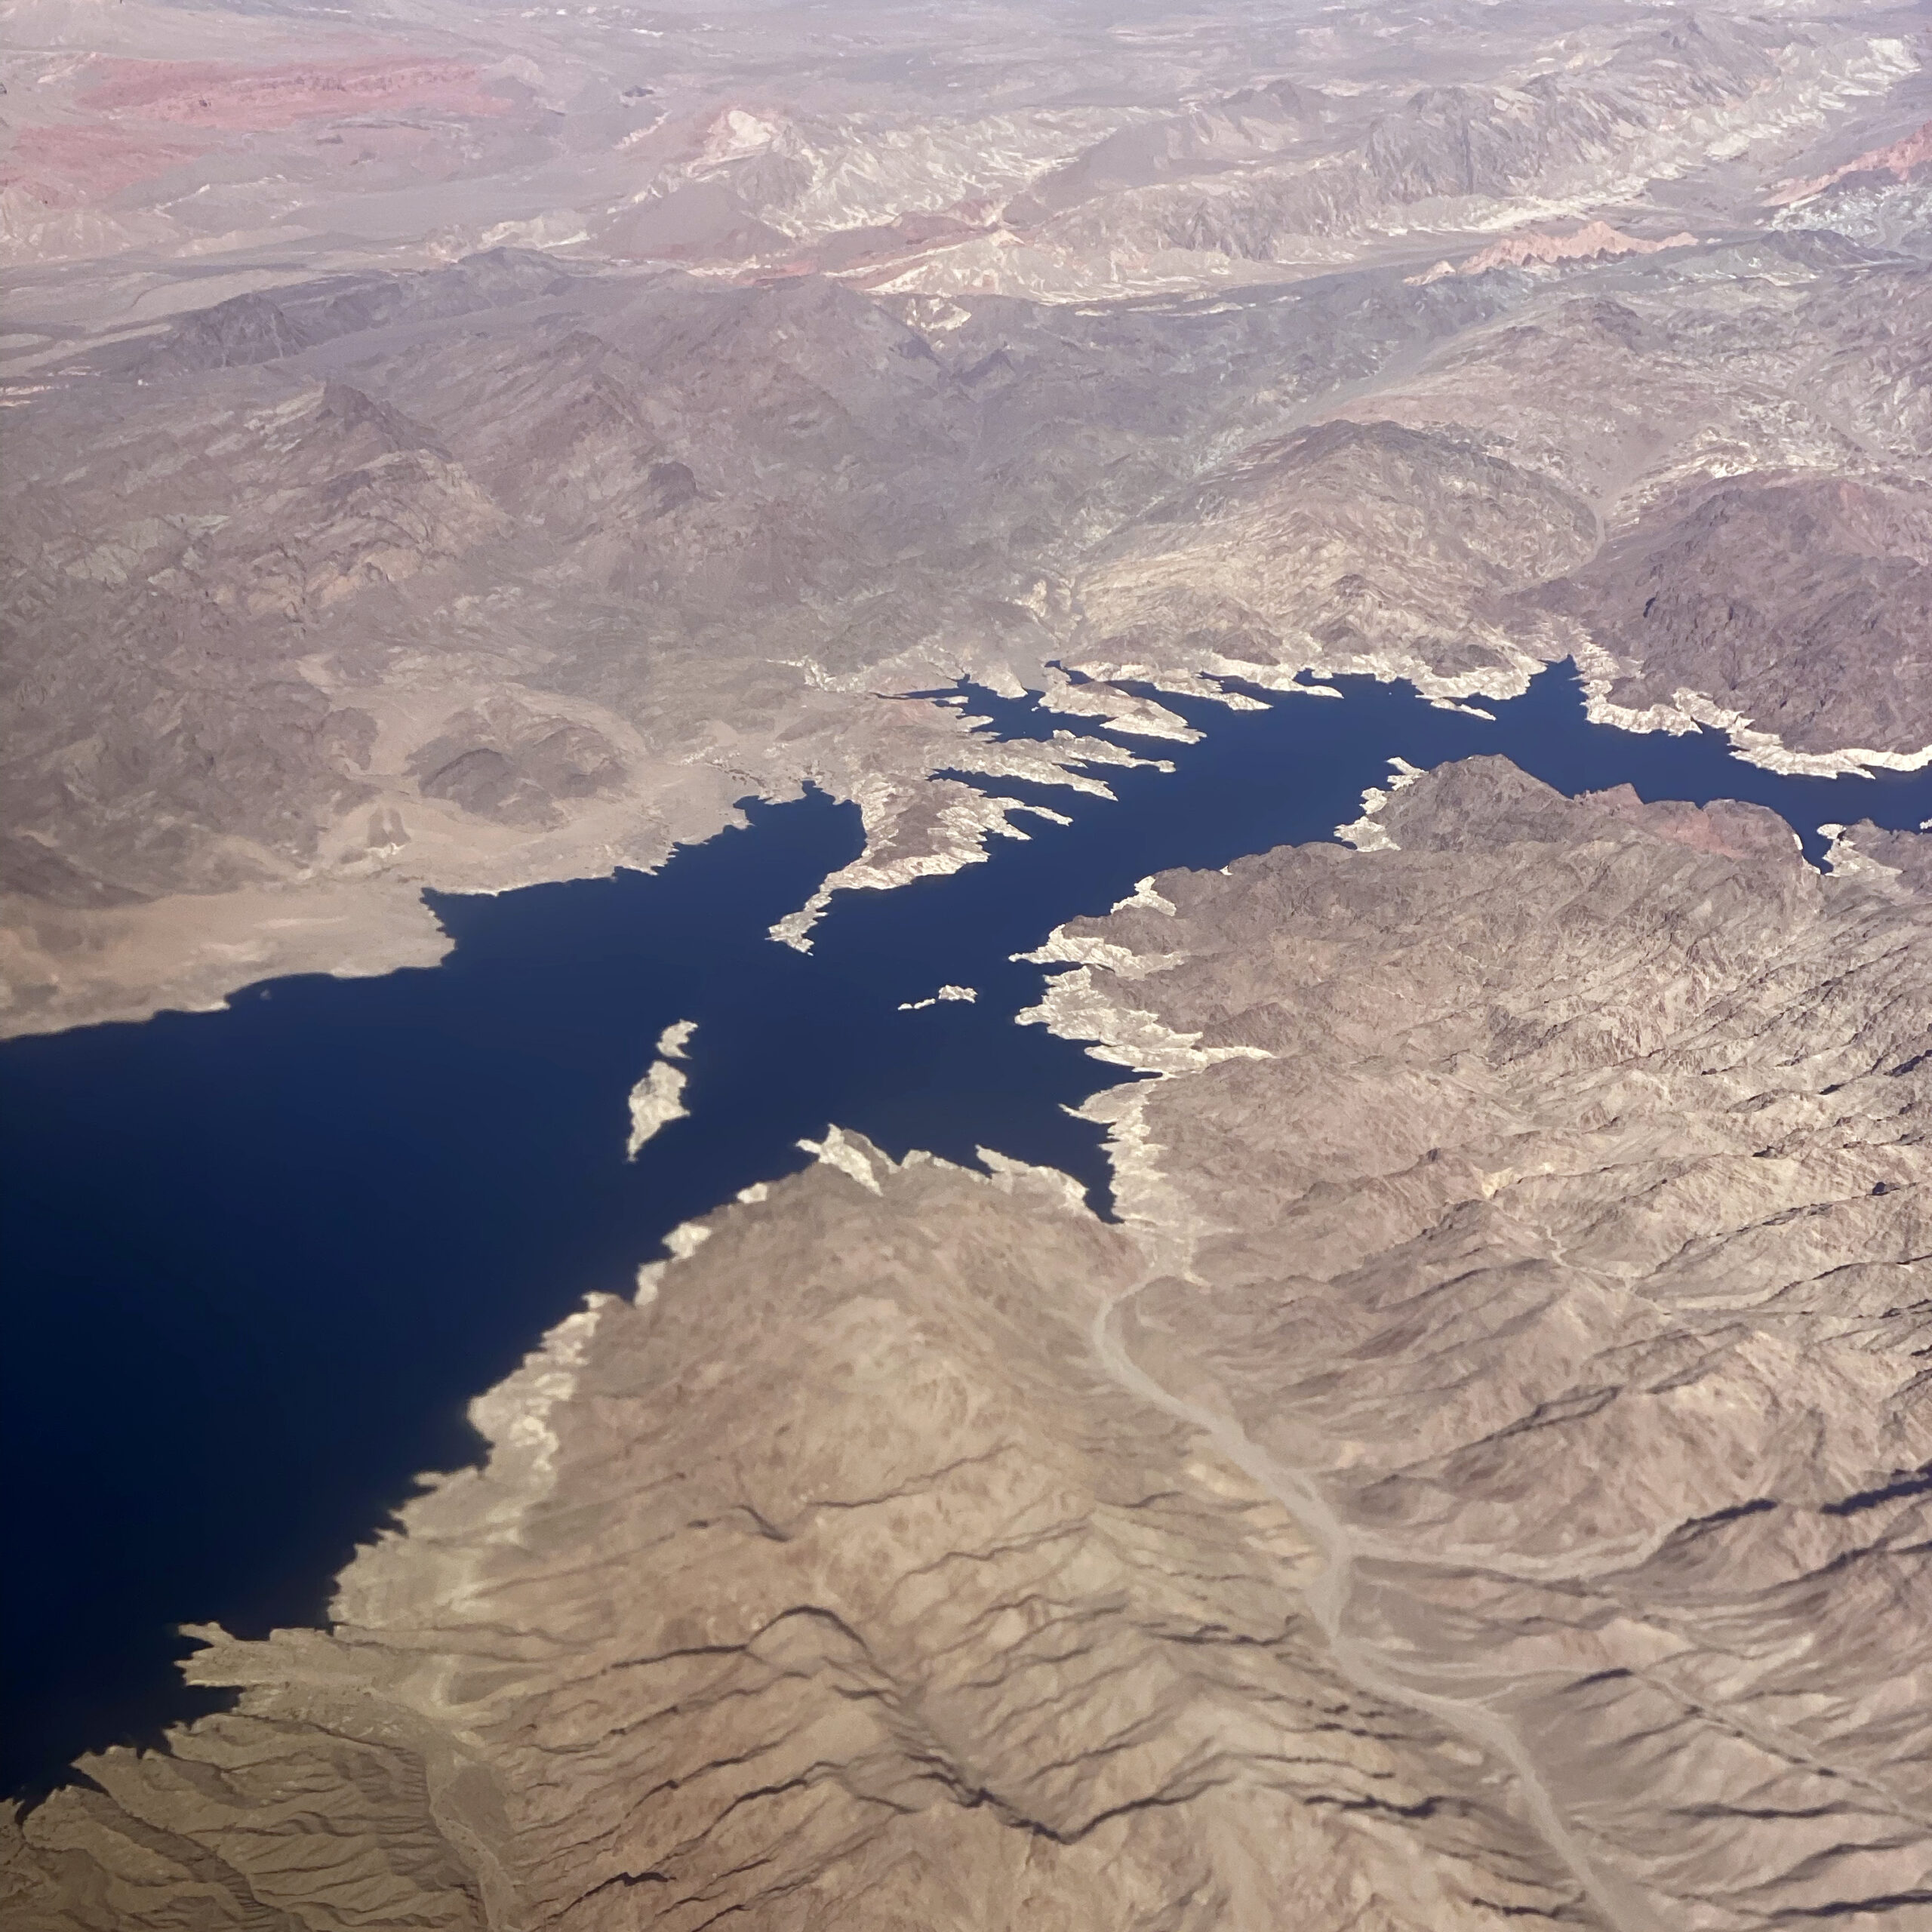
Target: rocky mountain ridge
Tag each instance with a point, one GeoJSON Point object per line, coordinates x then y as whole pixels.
{"type": "Point", "coordinates": [596, 507]}
{"type": "Point", "coordinates": [826, 368]}
{"type": "Point", "coordinates": [1474, 1484]}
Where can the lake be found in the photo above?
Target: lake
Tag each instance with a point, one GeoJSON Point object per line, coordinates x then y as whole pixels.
{"type": "Point", "coordinates": [259, 1260]}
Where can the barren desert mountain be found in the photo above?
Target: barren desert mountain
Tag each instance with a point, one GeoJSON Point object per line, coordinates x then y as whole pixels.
{"type": "Point", "coordinates": [1457, 1457]}
{"type": "Point", "coordinates": [1472, 1486]}
{"type": "Point", "coordinates": [1902, 159]}
{"type": "Point", "coordinates": [831, 364]}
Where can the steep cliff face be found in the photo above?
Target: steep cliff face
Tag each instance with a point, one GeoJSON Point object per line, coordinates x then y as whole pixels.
{"type": "Point", "coordinates": [1474, 1484]}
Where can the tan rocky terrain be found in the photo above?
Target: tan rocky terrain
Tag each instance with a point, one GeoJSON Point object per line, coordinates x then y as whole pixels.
{"type": "Point", "coordinates": [461, 449]}
{"type": "Point", "coordinates": [1478, 1482]}
{"type": "Point", "coordinates": [1479, 1479]}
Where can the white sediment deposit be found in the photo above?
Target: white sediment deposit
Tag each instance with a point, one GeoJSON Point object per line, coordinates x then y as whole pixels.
{"type": "Point", "coordinates": [1686, 711]}
{"type": "Point", "coordinates": [1367, 833]}
{"type": "Point", "coordinates": [925, 829]}
{"type": "Point", "coordinates": [1472, 1488]}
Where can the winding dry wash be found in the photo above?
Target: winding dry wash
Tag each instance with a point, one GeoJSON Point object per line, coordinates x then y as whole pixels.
{"type": "Point", "coordinates": [1326, 1599]}
{"type": "Point", "coordinates": [1087, 847]}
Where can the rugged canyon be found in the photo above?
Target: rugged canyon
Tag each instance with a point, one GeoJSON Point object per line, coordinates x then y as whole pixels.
{"type": "Point", "coordinates": [1472, 1484]}
{"type": "Point", "coordinates": [1477, 1475]}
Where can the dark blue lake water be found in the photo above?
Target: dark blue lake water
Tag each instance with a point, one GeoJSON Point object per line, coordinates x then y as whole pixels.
{"type": "Point", "coordinates": [259, 1260]}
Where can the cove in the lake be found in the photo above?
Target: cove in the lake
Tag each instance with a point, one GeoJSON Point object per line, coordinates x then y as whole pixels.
{"type": "Point", "coordinates": [259, 1259]}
